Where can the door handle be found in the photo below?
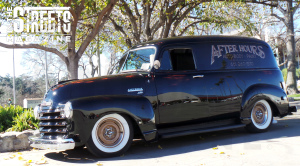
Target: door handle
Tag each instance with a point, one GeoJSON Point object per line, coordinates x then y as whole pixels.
{"type": "Point", "coordinates": [198, 76]}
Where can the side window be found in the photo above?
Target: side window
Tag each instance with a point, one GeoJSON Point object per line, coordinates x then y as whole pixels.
{"type": "Point", "coordinates": [182, 59]}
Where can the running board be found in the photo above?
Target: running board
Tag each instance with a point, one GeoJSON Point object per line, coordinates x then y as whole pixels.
{"type": "Point", "coordinates": [198, 131]}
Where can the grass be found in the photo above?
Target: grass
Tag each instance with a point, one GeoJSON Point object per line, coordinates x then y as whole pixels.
{"type": "Point", "coordinates": [294, 95]}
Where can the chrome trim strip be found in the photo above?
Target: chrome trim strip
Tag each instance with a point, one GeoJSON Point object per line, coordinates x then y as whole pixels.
{"type": "Point", "coordinates": [51, 118]}
{"type": "Point", "coordinates": [43, 124]}
{"type": "Point", "coordinates": [64, 130]}
{"type": "Point", "coordinates": [198, 76]}
{"type": "Point", "coordinates": [58, 144]}
{"type": "Point", "coordinates": [52, 111]}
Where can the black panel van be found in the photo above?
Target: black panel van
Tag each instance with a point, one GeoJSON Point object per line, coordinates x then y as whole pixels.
{"type": "Point", "coordinates": [166, 88]}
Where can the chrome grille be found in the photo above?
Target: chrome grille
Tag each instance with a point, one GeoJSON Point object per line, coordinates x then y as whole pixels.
{"type": "Point", "coordinates": [52, 124]}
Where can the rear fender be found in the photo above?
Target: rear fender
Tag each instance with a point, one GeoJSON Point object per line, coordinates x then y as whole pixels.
{"type": "Point", "coordinates": [276, 97]}
{"type": "Point", "coordinates": [86, 112]}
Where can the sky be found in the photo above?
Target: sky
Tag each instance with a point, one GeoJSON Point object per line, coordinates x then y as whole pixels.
{"type": "Point", "coordinates": [6, 58]}
{"type": "Point", "coordinates": [6, 62]}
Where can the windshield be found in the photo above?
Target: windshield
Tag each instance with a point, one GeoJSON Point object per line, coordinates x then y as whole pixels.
{"type": "Point", "coordinates": [139, 59]}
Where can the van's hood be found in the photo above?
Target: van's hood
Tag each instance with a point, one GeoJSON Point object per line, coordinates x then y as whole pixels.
{"type": "Point", "coordinates": [122, 84]}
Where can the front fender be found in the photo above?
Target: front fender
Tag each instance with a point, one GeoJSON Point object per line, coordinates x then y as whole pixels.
{"type": "Point", "coordinates": [276, 97]}
{"type": "Point", "coordinates": [86, 112]}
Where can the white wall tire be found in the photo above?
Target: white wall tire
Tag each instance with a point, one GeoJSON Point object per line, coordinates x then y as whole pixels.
{"type": "Point", "coordinates": [111, 136]}
{"type": "Point", "coordinates": [261, 117]}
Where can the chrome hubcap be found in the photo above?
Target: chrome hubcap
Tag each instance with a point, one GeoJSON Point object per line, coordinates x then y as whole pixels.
{"type": "Point", "coordinates": [110, 132]}
{"type": "Point", "coordinates": [260, 114]}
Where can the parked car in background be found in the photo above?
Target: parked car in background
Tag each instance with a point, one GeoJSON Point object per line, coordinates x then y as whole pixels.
{"type": "Point", "coordinates": [166, 88]}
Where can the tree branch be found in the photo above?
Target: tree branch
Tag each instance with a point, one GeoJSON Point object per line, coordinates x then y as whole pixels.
{"type": "Point", "coordinates": [71, 9]}
{"type": "Point", "coordinates": [139, 16]}
{"type": "Point", "coordinates": [280, 18]}
{"type": "Point", "coordinates": [120, 29]}
{"type": "Point", "coordinates": [263, 2]}
{"type": "Point", "coordinates": [183, 15]}
{"type": "Point", "coordinates": [147, 20]}
{"type": "Point", "coordinates": [136, 9]}
{"type": "Point", "coordinates": [200, 21]}
{"type": "Point", "coordinates": [36, 46]}
{"type": "Point", "coordinates": [88, 17]}
{"type": "Point", "coordinates": [161, 20]}
{"type": "Point", "coordinates": [131, 18]}
{"type": "Point", "coordinates": [282, 10]}
{"type": "Point", "coordinates": [294, 9]}
{"type": "Point", "coordinates": [102, 18]}
{"type": "Point", "coordinates": [283, 63]}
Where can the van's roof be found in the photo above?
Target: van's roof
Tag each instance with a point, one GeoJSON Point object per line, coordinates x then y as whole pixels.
{"type": "Point", "coordinates": [193, 39]}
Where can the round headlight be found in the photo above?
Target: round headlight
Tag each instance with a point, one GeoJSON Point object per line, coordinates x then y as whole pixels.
{"type": "Point", "coordinates": [36, 111]}
{"type": "Point", "coordinates": [68, 110]}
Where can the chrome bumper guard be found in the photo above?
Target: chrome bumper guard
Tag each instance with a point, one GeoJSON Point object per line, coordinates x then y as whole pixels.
{"type": "Point", "coordinates": [57, 144]}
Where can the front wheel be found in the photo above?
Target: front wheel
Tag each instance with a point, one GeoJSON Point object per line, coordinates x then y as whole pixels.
{"type": "Point", "coordinates": [111, 136]}
{"type": "Point", "coordinates": [261, 117]}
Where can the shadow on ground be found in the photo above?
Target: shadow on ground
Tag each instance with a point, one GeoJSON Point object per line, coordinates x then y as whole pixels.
{"type": "Point", "coordinates": [287, 127]}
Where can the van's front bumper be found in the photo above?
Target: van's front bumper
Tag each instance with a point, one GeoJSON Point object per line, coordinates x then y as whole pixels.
{"type": "Point", "coordinates": [57, 144]}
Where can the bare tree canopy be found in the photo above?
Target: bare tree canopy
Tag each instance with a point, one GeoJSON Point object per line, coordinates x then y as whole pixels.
{"type": "Point", "coordinates": [139, 21]}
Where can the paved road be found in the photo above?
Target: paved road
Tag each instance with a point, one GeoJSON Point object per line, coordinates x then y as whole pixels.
{"type": "Point", "coordinates": [280, 146]}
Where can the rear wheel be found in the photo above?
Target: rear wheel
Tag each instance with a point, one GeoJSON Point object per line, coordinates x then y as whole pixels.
{"type": "Point", "coordinates": [111, 136]}
{"type": "Point", "coordinates": [261, 117]}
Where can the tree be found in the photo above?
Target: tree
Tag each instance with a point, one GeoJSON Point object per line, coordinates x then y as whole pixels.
{"type": "Point", "coordinates": [110, 57]}
{"type": "Point", "coordinates": [26, 87]}
{"type": "Point", "coordinates": [138, 20]}
{"type": "Point", "coordinates": [34, 60]}
{"type": "Point", "coordinates": [109, 48]}
{"type": "Point", "coordinates": [288, 20]}
{"type": "Point", "coordinates": [89, 17]}
{"type": "Point", "coordinates": [285, 12]}
{"type": "Point", "coordinates": [90, 53]}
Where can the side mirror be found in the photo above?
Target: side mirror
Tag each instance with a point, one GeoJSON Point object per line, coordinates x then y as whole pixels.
{"type": "Point", "coordinates": [156, 64]}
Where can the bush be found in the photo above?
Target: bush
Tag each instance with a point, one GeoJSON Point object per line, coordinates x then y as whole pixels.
{"type": "Point", "coordinates": [7, 113]}
{"type": "Point", "coordinates": [16, 119]}
{"type": "Point", "coordinates": [24, 121]}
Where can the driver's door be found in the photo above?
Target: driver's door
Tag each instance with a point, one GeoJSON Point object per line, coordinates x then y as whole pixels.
{"type": "Point", "coordinates": [181, 89]}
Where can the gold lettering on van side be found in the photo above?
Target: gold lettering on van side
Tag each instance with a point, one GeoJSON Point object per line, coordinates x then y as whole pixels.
{"type": "Point", "coordinates": [218, 51]}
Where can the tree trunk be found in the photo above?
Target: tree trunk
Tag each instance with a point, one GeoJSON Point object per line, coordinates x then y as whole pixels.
{"type": "Point", "coordinates": [290, 46]}
{"type": "Point", "coordinates": [72, 67]}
